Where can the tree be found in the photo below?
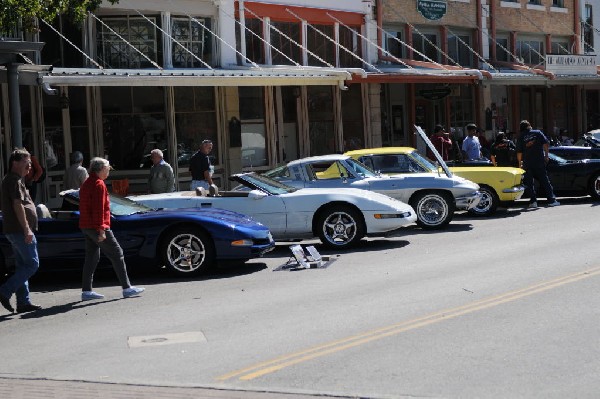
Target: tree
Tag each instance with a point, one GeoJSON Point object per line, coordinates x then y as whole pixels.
{"type": "Point", "coordinates": [16, 15]}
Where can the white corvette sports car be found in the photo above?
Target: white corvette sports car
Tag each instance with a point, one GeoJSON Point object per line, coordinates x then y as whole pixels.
{"type": "Point", "coordinates": [339, 217]}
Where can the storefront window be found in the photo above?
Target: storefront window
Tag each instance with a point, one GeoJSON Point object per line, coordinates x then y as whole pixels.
{"type": "Point", "coordinates": [459, 51]}
{"type": "Point", "coordinates": [352, 118]}
{"type": "Point", "coordinates": [393, 45]}
{"type": "Point", "coordinates": [195, 120]}
{"type": "Point", "coordinates": [320, 116]}
{"type": "Point", "coordinates": [113, 52]}
{"type": "Point", "coordinates": [80, 139]}
{"type": "Point", "coordinates": [195, 38]}
{"type": "Point", "coordinates": [133, 125]}
{"type": "Point", "coordinates": [285, 45]}
{"type": "Point", "coordinates": [424, 43]}
{"type": "Point", "coordinates": [320, 46]}
{"type": "Point", "coordinates": [461, 110]}
{"type": "Point", "coordinates": [530, 51]}
{"type": "Point", "coordinates": [254, 46]}
{"type": "Point", "coordinates": [252, 115]}
{"type": "Point", "coordinates": [53, 144]}
{"type": "Point", "coordinates": [350, 41]}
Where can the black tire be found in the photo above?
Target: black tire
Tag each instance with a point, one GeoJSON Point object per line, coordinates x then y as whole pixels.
{"type": "Point", "coordinates": [187, 251]}
{"type": "Point", "coordinates": [340, 226]}
{"type": "Point", "coordinates": [434, 209]}
{"type": "Point", "coordinates": [594, 187]}
{"type": "Point", "coordinates": [488, 204]}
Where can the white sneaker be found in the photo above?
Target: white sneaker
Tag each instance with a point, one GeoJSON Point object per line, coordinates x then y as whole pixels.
{"type": "Point", "coordinates": [555, 203]}
{"type": "Point", "coordinates": [90, 295]}
{"type": "Point", "coordinates": [132, 291]}
{"type": "Point", "coordinates": [533, 205]}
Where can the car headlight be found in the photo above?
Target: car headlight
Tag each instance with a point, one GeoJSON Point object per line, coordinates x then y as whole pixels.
{"type": "Point", "coordinates": [392, 215]}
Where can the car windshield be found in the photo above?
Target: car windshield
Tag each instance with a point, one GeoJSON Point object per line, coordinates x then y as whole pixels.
{"type": "Point", "coordinates": [265, 184]}
{"type": "Point", "coordinates": [557, 159]}
{"type": "Point", "coordinates": [426, 163]}
{"type": "Point", "coordinates": [360, 169]}
{"type": "Point", "coordinates": [119, 206]}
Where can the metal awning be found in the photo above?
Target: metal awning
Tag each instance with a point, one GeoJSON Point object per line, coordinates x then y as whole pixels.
{"type": "Point", "coordinates": [268, 76]}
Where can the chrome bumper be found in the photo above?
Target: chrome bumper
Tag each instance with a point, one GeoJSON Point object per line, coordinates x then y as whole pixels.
{"type": "Point", "coordinates": [516, 190]}
{"type": "Point", "coordinates": [466, 202]}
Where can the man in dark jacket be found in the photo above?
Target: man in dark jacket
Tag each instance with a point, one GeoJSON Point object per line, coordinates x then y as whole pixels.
{"type": "Point", "coordinates": [532, 155]}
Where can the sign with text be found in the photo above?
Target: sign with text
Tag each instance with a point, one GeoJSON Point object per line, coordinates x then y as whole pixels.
{"type": "Point", "coordinates": [571, 64]}
{"type": "Point", "coordinates": [432, 9]}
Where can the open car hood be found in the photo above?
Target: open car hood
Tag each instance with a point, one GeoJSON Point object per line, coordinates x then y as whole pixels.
{"type": "Point", "coordinates": [435, 152]}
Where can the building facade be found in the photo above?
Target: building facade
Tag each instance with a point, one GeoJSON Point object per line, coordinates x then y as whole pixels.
{"type": "Point", "coordinates": [269, 82]}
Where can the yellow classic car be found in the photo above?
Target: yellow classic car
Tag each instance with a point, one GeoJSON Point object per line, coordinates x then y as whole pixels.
{"type": "Point", "coordinates": [497, 184]}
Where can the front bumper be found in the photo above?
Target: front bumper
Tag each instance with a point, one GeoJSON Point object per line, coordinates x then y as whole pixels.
{"type": "Point", "coordinates": [513, 193]}
{"type": "Point", "coordinates": [466, 202]}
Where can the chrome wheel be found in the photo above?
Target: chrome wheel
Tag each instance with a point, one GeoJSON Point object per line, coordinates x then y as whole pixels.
{"type": "Point", "coordinates": [434, 210]}
{"type": "Point", "coordinates": [340, 227]}
{"type": "Point", "coordinates": [488, 204]}
{"type": "Point", "coordinates": [595, 187]}
{"type": "Point", "coordinates": [188, 252]}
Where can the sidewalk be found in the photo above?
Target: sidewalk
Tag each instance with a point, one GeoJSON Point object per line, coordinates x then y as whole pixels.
{"type": "Point", "coordinates": [50, 389]}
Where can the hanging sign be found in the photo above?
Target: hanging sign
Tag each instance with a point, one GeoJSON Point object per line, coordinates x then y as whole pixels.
{"type": "Point", "coordinates": [571, 64]}
{"type": "Point", "coordinates": [435, 94]}
{"type": "Point", "coordinates": [432, 9]}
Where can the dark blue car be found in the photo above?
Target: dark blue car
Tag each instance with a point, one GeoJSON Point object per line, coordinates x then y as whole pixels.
{"type": "Point", "coordinates": [186, 241]}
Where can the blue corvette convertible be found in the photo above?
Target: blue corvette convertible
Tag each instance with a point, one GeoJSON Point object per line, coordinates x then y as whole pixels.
{"type": "Point", "coordinates": [186, 241]}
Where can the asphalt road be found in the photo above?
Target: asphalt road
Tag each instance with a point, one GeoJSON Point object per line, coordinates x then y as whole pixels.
{"type": "Point", "coordinates": [498, 307]}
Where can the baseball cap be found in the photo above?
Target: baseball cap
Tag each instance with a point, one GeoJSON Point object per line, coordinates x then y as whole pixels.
{"type": "Point", "coordinates": [471, 126]}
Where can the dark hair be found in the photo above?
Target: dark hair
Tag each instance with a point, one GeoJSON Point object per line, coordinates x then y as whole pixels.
{"type": "Point", "coordinates": [500, 137]}
{"type": "Point", "coordinates": [206, 141]}
{"type": "Point", "coordinates": [76, 157]}
{"type": "Point", "coordinates": [471, 126]}
{"type": "Point", "coordinates": [438, 128]}
{"type": "Point", "coordinates": [18, 155]}
{"type": "Point", "coordinates": [524, 125]}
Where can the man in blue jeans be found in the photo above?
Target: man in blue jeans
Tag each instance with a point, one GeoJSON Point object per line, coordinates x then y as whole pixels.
{"type": "Point", "coordinates": [19, 223]}
{"type": "Point", "coordinates": [532, 155]}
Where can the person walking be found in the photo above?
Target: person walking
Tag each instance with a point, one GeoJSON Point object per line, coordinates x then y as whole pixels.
{"type": "Point", "coordinates": [75, 174]}
{"type": "Point", "coordinates": [201, 167]}
{"type": "Point", "coordinates": [94, 222]}
{"type": "Point", "coordinates": [161, 179]}
{"type": "Point", "coordinates": [471, 147]}
{"type": "Point", "coordinates": [532, 155]}
{"type": "Point", "coordinates": [503, 151]}
{"type": "Point", "coordinates": [19, 221]}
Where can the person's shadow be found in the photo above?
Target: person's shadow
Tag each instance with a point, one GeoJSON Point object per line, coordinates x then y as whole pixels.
{"type": "Point", "coordinates": [57, 309]}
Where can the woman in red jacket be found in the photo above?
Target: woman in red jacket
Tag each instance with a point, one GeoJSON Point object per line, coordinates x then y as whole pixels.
{"type": "Point", "coordinates": [94, 222]}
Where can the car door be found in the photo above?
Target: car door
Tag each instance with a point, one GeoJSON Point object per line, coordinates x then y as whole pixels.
{"type": "Point", "coordinates": [269, 210]}
{"type": "Point", "coordinates": [59, 237]}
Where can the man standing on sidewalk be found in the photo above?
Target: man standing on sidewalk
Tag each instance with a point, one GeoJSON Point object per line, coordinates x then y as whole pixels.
{"type": "Point", "coordinates": [532, 155]}
{"type": "Point", "coordinates": [19, 223]}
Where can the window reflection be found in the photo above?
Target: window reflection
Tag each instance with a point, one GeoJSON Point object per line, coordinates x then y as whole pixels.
{"type": "Point", "coordinates": [133, 126]}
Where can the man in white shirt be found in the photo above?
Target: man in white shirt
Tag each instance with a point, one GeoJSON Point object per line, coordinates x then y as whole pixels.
{"type": "Point", "coordinates": [471, 147]}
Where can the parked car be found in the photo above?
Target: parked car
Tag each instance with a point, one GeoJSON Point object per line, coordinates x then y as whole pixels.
{"type": "Point", "coordinates": [340, 218]}
{"type": "Point", "coordinates": [496, 184]}
{"type": "Point", "coordinates": [434, 196]}
{"type": "Point", "coordinates": [575, 153]}
{"type": "Point", "coordinates": [574, 177]}
{"type": "Point", "coordinates": [186, 241]}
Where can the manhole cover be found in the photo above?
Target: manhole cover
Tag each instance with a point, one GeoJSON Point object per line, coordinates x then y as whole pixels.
{"type": "Point", "coordinates": [166, 339]}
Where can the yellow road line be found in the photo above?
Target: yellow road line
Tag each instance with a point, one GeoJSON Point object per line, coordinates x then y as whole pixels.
{"type": "Point", "coordinates": [282, 362]}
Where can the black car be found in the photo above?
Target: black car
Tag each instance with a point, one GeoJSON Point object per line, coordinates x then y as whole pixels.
{"type": "Point", "coordinates": [586, 148]}
{"type": "Point", "coordinates": [574, 177]}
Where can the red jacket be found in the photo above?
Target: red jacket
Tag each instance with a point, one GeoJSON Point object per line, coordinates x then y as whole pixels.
{"type": "Point", "coordinates": [94, 204]}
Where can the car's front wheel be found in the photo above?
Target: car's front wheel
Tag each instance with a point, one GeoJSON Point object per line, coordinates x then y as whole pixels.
{"type": "Point", "coordinates": [434, 209]}
{"type": "Point", "coordinates": [187, 251]}
{"type": "Point", "coordinates": [340, 226]}
{"type": "Point", "coordinates": [488, 204]}
{"type": "Point", "coordinates": [594, 187]}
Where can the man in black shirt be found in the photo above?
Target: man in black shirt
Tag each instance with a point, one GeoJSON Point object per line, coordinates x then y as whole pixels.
{"type": "Point", "coordinates": [532, 155]}
{"type": "Point", "coordinates": [200, 166]}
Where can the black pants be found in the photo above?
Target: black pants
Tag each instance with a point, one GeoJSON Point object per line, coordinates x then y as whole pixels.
{"type": "Point", "coordinates": [540, 174]}
{"type": "Point", "coordinates": [111, 249]}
